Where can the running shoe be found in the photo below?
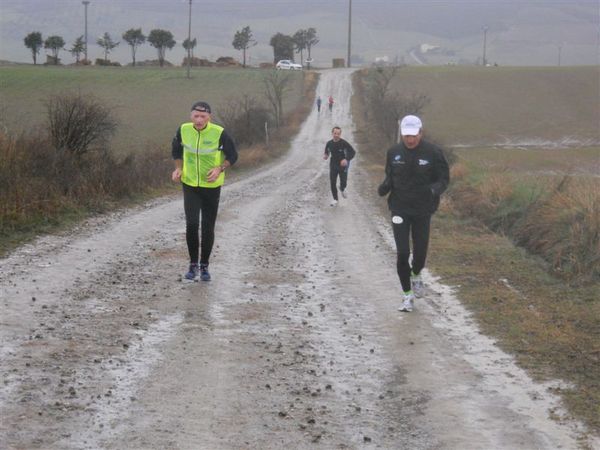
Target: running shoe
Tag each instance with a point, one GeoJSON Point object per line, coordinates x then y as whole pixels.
{"type": "Point", "coordinates": [344, 194]}
{"type": "Point", "coordinates": [408, 303]}
{"type": "Point", "coordinates": [192, 274]}
{"type": "Point", "coordinates": [417, 285]}
{"type": "Point", "coordinates": [333, 203]}
{"type": "Point", "coordinates": [204, 275]}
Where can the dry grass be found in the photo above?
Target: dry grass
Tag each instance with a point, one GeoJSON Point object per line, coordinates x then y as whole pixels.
{"type": "Point", "coordinates": [551, 327]}
{"type": "Point", "coordinates": [256, 155]}
{"type": "Point", "coordinates": [38, 184]}
{"type": "Point", "coordinates": [565, 228]}
{"type": "Point", "coordinates": [557, 218]}
{"type": "Point", "coordinates": [486, 106]}
{"type": "Point", "coordinates": [38, 195]}
{"type": "Point", "coordinates": [149, 103]}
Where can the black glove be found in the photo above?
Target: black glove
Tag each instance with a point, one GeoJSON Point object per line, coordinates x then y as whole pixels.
{"type": "Point", "coordinates": [385, 187]}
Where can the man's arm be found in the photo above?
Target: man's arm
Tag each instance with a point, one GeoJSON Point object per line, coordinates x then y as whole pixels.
{"type": "Point", "coordinates": [386, 186]}
{"type": "Point", "coordinates": [326, 152]}
{"type": "Point", "coordinates": [350, 152]}
{"type": "Point", "coordinates": [227, 145]}
{"type": "Point", "coordinates": [177, 154]}
{"type": "Point", "coordinates": [442, 174]}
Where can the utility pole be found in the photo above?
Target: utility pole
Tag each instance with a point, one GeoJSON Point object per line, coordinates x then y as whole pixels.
{"type": "Point", "coordinates": [485, 29]}
{"type": "Point", "coordinates": [348, 64]}
{"type": "Point", "coordinates": [189, 56]}
{"type": "Point", "coordinates": [559, 52]}
{"type": "Point", "coordinates": [85, 4]}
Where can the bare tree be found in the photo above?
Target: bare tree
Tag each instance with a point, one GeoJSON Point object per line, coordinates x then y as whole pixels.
{"type": "Point", "coordinates": [245, 118]}
{"type": "Point", "coordinates": [311, 40]}
{"type": "Point", "coordinates": [395, 107]}
{"type": "Point", "coordinates": [283, 47]}
{"type": "Point", "coordinates": [379, 81]}
{"type": "Point", "coordinates": [161, 40]}
{"type": "Point", "coordinates": [33, 41]}
{"type": "Point", "coordinates": [243, 40]}
{"type": "Point", "coordinates": [387, 106]}
{"type": "Point", "coordinates": [107, 44]}
{"type": "Point", "coordinates": [134, 37]}
{"type": "Point", "coordinates": [78, 123]}
{"type": "Point", "coordinates": [276, 86]}
{"type": "Point", "coordinates": [300, 38]}
{"type": "Point", "coordinates": [55, 44]}
{"type": "Point", "coordinates": [190, 45]}
{"type": "Point", "coordinates": [78, 48]}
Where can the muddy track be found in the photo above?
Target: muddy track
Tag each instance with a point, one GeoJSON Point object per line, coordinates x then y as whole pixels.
{"type": "Point", "coordinates": [296, 343]}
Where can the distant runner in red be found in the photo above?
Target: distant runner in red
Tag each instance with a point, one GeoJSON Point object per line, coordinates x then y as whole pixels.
{"type": "Point", "coordinates": [330, 102]}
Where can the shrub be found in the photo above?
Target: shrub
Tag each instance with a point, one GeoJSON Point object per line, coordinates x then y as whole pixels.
{"type": "Point", "coordinates": [558, 220]}
{"type": "Point", "coordinates": [245, 119]}
{"type": "Point", "coordinates": [565, 227]}
{"type": "Point", "coordinates": [79, 123]}
{"type": "Point", "coordinates": [71, 168]}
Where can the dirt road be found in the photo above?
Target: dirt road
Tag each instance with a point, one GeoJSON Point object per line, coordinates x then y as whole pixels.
{"type": "Point", "coordinates": [296, 343]}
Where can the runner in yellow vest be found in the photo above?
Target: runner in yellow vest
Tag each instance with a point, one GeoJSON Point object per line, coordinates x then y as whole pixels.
{"type": "Point", "coordinates": [202, 151]}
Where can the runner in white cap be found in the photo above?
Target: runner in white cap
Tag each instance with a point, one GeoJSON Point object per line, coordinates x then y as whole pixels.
{"type": "Point", "coordinates": [416, 174]}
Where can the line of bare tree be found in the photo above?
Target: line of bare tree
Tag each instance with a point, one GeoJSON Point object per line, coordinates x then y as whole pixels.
{"type": "Point", "coordinates": [284, 46]}
{"type": "Point", "coordinates": [160, 39]}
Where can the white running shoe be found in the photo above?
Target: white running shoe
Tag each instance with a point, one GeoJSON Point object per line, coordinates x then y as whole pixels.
{"type": "Point", "coordinates": [333, 203]}
{"type": "Point", "coordinates": [417, 285]}
{"type": "Point", "coordinates": [408, 303]}
{"type": "Point", "coordinates": [344, 194]}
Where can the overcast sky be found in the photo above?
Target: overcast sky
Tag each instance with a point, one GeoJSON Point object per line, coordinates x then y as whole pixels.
{"type": "Point", "coordinates": [518, 32]}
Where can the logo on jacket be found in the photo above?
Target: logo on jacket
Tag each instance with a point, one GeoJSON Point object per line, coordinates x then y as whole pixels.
{"type": "Point", "coordinates": [423, 162]}
{"type": "Point", "coordinates": [397, 160]}
{"type": "Point", "coordinates": [207, 142]}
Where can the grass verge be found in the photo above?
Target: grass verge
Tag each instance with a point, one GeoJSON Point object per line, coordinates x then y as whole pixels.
{"type": "Point", "coordinates": [45, 193]}
{"type": "Point", "coordinates": [551, 327]}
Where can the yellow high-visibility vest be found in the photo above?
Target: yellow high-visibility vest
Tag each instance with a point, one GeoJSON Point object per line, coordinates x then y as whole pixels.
{"type": "Point", "coordinates": [201, 153]}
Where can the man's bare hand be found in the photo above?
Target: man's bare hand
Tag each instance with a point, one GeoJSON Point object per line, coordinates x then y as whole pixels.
{"type": "Point", "coordinates": [176, 175]}
{"type": "Point", "coordinates": [213, 174]}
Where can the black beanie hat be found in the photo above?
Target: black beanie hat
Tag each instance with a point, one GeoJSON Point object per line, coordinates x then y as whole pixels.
{"type": "Point", "coordinates": [201, 107]}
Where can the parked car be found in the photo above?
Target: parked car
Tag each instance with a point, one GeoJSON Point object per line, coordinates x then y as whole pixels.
{"type": "Point", "coordinates": [286, 64]}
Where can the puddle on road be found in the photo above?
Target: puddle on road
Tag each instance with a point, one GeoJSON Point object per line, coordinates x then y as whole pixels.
{"type": "Point", "coordinates": [128, 375]}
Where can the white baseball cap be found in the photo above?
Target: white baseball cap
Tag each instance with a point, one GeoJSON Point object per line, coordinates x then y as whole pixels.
{"type": "Point", "coordinates": [410, 126]}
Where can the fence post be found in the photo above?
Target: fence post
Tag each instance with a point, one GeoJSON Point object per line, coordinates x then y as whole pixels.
{"type": "Point", "coordinates": [267, 133]}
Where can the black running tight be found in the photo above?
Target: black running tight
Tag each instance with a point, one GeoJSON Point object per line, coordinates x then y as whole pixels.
{"type": "Point", "coordinates": [416, 227]}
{"type": "Point", "coordinates": [196, 200]}
{"type": "Point", "coordinates": [334, 171]}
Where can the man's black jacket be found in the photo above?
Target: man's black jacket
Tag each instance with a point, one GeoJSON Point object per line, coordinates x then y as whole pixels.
{"type": "Point", "coordinates": [415, 179]}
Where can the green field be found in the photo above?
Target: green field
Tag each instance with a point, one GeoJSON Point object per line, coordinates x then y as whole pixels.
{"type": "Point", "coordinates": [580, 161]}
{"type": "Point", "coordinates": [509, 106]}
{"type": "Point", "coordinates": [150, 103]}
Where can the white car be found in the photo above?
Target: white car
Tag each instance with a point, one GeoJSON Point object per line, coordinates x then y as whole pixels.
{"type": "Point", "coordinates": [286, 64]}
